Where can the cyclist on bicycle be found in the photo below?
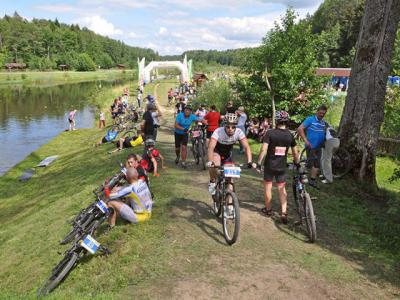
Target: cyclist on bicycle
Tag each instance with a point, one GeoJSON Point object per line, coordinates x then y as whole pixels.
{"type": "Point", "coordinates": [221, 146]}
{"type": "Point", "coordinates": [182, 124]}
{"type": "Point", "coordinates": [138, 196]}
{"type": "Point", "coordinates": [276, 143]}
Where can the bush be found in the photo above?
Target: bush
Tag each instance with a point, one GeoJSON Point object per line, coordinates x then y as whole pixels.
{"type": "Point", "coordinates": [23, 76]}
{"type": "Point", "coordinates": [391, 124]}
{"type": "Point", "coordinates": [41, 63]}
{"type": "Point", "coordinates": [85, 63]}
{"type": "Point", "coordinates": [104, 61]}
{"type": "Point", "coordinates": [217, 92]}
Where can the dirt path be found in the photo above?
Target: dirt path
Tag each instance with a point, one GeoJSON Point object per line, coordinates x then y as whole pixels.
{"type": "Point", "coordinates": [269, 261]}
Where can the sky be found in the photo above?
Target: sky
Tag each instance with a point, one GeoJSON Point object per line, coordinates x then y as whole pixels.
{"type": "Point", "coordinates": [169, 26]}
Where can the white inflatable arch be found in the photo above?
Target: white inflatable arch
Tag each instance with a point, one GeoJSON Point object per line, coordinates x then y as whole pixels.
{"type": "Point", "coordinates": [144, 71]}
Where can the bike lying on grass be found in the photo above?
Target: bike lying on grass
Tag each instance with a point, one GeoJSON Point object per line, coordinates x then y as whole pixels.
{"type": "Point", "coordinates": [94, 211]}
{"type": "Point", "coordinates": [303, 201]}
{"type": "Point", "coordinates": [84, 242]}
{"type": "Point", "coordinates": [226, 201]}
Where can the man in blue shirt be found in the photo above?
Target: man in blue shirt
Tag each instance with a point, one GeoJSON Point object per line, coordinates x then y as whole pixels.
{"type": "Point", "coordinates": [314, 140]}
{"type": "Point", "coordinates": [182, 125]}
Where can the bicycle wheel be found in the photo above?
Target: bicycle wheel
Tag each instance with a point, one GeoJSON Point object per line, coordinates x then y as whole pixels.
{"type": "Point", "coordinates": [202, 155]}
{"type": "Point", "coordinates": [78, 229]}
{"type": "Point", "coordinates": [130, 134]}
{"type": "Point", "coordinates": [195, 149]}
{"type": "Point", "coordinates": [231, 218]}
{"type": "Point", "coordinates": [217, 203]}
{"type": "Point", "coordinates": [296, 195]}
{"type": "Point", "coordinates": [310, 217]}
{"type": "Point", "coordinates": [59, 273]}
{"type": "Point", "coordinates": [341, 163]}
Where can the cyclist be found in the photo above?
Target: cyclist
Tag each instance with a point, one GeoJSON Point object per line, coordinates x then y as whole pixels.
{"type": "Point", "coordinates": [150, 157]}
{"type": "Point", "coordinates": [133, 161]}
{"type": "Point", "coordinates": [128, 142]}
{"type": "Point", "coordinates": [139, 197]}
{"type": "Point", "coordinates": [110, 136]}
{"type": "Point", "coordinates": [182, 125]}
{"type": "Point", "coordinates": [212, 117]}
{"type": "Point", "coordinates": [221, 146]}
{"type": "Point", "coordinates": [314, 141]}
{"type": "Point", "coordinates": [276, 144]}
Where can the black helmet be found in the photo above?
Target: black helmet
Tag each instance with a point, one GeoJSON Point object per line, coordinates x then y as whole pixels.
{"type": "Point", "coordinates": [149, 143]}
{"type": "Point", "coordinates": [281, 116]}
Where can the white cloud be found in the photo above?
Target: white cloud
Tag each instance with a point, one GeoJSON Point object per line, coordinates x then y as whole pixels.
{"type": "Point", "coordinates": [133, 35]}
{"type": "Point", "coordinates": [57, 8]}
{"type": "Point", "coordinates": [162, 31]}
{"type": "Point", "coordinates": [100, 25]}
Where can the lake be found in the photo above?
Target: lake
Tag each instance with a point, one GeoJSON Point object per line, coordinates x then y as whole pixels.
{"type": "Point", "coordinates": [31, 116]}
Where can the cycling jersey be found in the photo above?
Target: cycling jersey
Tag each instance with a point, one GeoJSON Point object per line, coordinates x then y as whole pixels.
{"type": "Point", "coordinates": [138, 194]}
{"type": "Point", "coordinates": [225, 142]}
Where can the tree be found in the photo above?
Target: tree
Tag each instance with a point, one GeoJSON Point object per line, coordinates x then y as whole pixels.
{"type": "Point", "coordinates": [364, 108]}
{"type": "Point", "coordinates": [85, 63]}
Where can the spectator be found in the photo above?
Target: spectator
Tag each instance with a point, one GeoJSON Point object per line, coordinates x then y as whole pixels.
{"type": "Point", "coordinates": [148, 122]}
{"type": "Point", "coordinates": [71, 119]}
{"type": "Point", "coordinates": [102, 120]}
{"type": "Point", "coordinates": [314, 141]}
{"type": "Point", "coordinates": [156, 113]}
{"type": "Point", "coordinates": [264, 126]}
{"type": "Point", "coordinates": [254, 128]}
{"type": "Point", "coordinates": [212, 119]}
{"type": "Point", "coordinates": [229, 108]}
{"type": "Point", "coordinates": [241, 123]}
{"type": "Point", "coordinates": [332, 142]}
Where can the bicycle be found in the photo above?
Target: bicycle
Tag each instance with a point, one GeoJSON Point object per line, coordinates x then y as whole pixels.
{"type": "Point", "coordinates": [303, 201]}
{"type": "Point", "coordinates": [341, 162]}
{"type": "Point", "coordinates": [94, 211]}
{"type": "Point", "coordinates": [226, 202]}
{"type": "Point", "coordinates": [198, 146]}
{"type": "Point", "coordinates": [83, 244]}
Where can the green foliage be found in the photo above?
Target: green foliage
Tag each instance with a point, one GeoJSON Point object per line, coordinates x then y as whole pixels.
{"type": "Point", "coordinates": [288, 56]}
{"type": "Point", "coordinates": [85, 63]}
{"type": "Point", "coordinates": [217, 92]}
{"type": "Point", "coordinates": [32, 41]}
{"type": "Point", "coordinates": [391, 123]}
{"type": "Point", "coordinates": [396, 55]}
{"type": "Point", "coordinates": [345, 15]}
{"type": "Point", "coordinates": [395, 176]}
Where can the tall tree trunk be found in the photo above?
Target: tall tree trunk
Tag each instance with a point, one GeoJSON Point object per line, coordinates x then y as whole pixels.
{"type": "Point", "coordinates": [364, 109]}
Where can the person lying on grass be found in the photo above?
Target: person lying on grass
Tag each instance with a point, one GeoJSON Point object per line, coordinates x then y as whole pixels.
{"type": "Point", "coordinates": [150, 158]}
{"type": "Point", "coordinates": [128, 142]}
{"type": "Point", "coordinates": [110, 136]}
{"type": "Point", "coordinates": [138, 200]}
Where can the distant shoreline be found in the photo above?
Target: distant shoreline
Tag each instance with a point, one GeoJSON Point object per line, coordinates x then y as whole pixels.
{"type": "Point", "coordinates": [34, 78]}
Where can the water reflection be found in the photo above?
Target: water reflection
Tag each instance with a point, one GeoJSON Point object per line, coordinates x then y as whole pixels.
{"type": "Point", "coordinates": [31, 116]}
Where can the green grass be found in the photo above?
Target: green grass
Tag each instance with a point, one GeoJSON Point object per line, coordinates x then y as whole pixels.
{"type": "Point", "coordinates": [29, 78]}
{"type": "Point", "coordinates": [183, 242]}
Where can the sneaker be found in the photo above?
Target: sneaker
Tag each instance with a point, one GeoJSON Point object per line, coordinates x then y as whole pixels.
{"type": "Point", "coordinates": [177, 160]}
{"type": "Point", "coordinates": [211, 188]}
{"type": "Point", "coordinates": [183, 165]}
{"type": "Point", "coordinates": [325, 181]}
{"type": "Point", "coordinates": [284, 218]}
{"type": "Point", "coordinates": [313, 183]}
{"type": "Point", "coordinates": [321, 177]}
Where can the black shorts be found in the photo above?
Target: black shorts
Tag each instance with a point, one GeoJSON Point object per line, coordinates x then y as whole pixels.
{"type": "Point", "coordinates": [181, 139]}
{"type": "Point", "coordinates": [314, 157]}
{"type": "Point", "coordinates": [209, 134]}
{"type": "Point", "coordinates": [127, 143]}
{"type": "Point", "coordinates": [226, 158]}
{"type": "Point", "coordinates": [280, 177]}
{"type": "Point", "coordinates": [70, 121]}
{"type": "Point", "coordinates": [104, 140]}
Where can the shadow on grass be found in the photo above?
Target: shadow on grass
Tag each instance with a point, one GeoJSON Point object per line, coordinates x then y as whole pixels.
{"type": "Point", "coordinates": [200, 214]}
{"type": "Point", "coordinates": [351, 222]}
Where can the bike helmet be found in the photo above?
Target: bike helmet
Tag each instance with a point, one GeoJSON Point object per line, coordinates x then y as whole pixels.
{"type": "Point", "coordinates": [149, 143]}
{"type": "Point", "coordinates": [231, 119]}
{"type": "Point", "coordinates": [281, 116]}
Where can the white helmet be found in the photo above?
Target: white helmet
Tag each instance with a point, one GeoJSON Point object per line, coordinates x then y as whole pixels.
{"type": "Point", "coordinates": [231, 119]}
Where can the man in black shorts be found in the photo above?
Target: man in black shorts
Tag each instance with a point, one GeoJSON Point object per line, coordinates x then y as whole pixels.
{"type": "Point", "coordinates": [276, 144]}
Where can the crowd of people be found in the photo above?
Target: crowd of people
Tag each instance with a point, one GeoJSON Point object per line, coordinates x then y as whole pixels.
{"type": "Point", "coordinates": [222, 131]}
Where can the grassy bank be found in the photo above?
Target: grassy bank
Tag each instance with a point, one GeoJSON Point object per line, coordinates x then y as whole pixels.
{"type": "Point", "coordinates": [180, 252]}
{"type": "Point", "coordinates": [57, 77]}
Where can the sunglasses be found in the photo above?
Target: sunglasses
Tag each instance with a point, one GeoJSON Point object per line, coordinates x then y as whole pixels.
{"type": "Point", "coordinates": [230, 127]}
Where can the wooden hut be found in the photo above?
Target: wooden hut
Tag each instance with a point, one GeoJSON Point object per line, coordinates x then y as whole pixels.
{"type": "Point", "coordinates": [199, 78]}
{"type": "Point", "coordinates": [63, 67]}
{"type": "Point", "coordinates": [121, 66]}
{"type": "Point", "coordinates": [15, 66]}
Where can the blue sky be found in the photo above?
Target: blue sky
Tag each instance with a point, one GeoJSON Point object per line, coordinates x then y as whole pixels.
{"type": "Point", "coordinates": [169, 26]}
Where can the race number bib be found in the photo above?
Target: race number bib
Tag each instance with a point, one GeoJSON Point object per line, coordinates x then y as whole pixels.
{"type": "Point", "coordinates": [280, 151]}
